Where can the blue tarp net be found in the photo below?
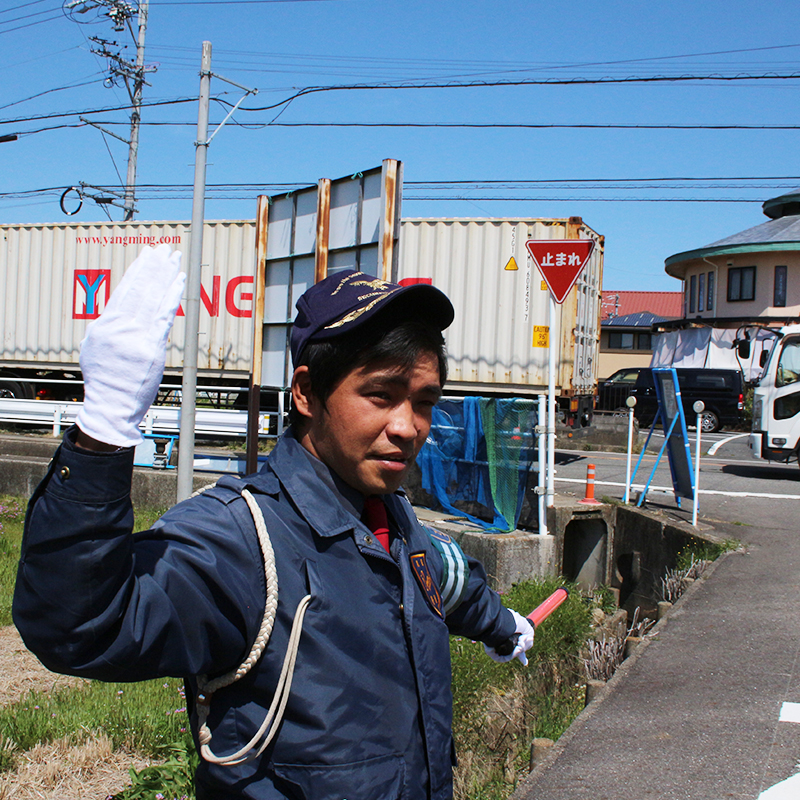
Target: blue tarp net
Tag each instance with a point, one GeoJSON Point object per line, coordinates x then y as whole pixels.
{"type": "Point", "coordinates": [480, 451]}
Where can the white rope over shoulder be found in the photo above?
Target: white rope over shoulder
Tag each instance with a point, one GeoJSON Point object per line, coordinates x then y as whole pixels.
{"type": "Point", "coordinates": [206, 688]}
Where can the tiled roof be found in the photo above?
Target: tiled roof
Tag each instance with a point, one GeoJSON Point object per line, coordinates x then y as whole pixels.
{"type": "Point", "coordinates": [665, 305]}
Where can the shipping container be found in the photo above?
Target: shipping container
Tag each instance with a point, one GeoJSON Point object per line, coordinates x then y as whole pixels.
{"type": "Point", "coordinates": [58, 277]}
{"type": "Point", "coordinates": [498, 343]}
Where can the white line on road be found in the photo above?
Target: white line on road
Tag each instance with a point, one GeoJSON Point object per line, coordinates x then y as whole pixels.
{"type": "Point", "coordinates": [669, 489]}
{"type": "Point", "coordinates": [785, 790]}
{"type": "Point", "coordinates": [716, 446]}
{"type": "Point", "coordinates": [790, 712]}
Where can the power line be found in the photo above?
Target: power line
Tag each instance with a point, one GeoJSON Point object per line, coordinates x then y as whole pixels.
{"type": "Point", "coordinates": [24, 5]}
{"type": "Point", "coordinates": [31, 24]}
{"type": "Point", "coordinates": [50, 91]}
{"type": "Point", "coordinates": [126, 107]}
{"type": "Point", "coordinates": [445, 125]}
{"type": "Point", "coordinates": [529, 82]}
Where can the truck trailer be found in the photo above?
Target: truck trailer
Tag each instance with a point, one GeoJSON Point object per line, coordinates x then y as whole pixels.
{"type": "Point", "coordinates": [58, 277]}
{"type": "Point", "coordinates": [498, 344]}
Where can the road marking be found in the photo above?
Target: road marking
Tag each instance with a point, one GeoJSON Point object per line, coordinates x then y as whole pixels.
{"type": "Point", "coordinates": [669, 490]}
{"type": "Point", "coordinates": [790, 712]}
{"type": "Point", "coordinates": [785, 790]}
{"type": "Point", "coordinates": [713, 449]}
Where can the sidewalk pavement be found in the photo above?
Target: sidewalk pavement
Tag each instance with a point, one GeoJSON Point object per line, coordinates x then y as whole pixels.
{"type": "Point", "coordinates": [694, 714]}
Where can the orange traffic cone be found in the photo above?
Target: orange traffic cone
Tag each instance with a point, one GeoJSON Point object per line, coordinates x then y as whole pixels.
{"type": "Point", "coordinates": [589, 499]}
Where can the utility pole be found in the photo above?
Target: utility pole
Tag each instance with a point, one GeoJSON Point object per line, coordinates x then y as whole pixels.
{"type": "Point", "coordinates": [121, 70]}
{"type": "Point", "coordinates": [192, 305]}
{"type": "Point", "coordinates": [136, 114]}
{"type": "Point", "coordinates": [192, 308]}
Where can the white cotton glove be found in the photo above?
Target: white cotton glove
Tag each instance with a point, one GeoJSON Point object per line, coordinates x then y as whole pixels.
{"type": "Point", "coordinates": [125, 349]}
{"type": "Point", "coordinates": [524, 633]}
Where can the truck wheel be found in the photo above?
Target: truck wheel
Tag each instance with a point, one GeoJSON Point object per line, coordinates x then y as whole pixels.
{"type": "Point", "coordinates": [13, 390]}
{"type": "Point", "coordinates": [709, 422]}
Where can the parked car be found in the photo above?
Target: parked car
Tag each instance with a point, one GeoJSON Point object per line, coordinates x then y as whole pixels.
{"type": "Point", "coordinates": [614, 390]}
{"type": "Point", "coordinates": [721, 390]}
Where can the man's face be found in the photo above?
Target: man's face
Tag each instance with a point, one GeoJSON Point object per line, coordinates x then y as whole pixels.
{"type": "Point", "coordinates": [376, 420]}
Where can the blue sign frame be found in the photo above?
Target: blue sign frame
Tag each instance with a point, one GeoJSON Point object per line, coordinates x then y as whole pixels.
{"type": "Point", "coordinates": [676, 437]}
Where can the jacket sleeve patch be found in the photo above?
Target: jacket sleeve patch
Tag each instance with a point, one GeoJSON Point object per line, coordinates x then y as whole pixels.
{"type": "Point", "coordinates": [419, 564]}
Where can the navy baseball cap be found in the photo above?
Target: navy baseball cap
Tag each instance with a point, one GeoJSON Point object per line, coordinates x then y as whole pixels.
{"type": "Point", "coordinates": [347, 299]}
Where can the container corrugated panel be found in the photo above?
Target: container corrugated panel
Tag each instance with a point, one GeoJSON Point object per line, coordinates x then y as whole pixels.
{"type": "Point", "coordinates": [55, 278]}
{"type": "Point", "coordinates": [495, 343]}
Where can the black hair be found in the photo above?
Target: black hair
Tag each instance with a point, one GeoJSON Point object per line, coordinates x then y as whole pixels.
{"type": "Point", "coordinates": [381, 340]}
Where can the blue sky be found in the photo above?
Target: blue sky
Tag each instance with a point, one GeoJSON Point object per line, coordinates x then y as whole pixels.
{"type": "Point", "coordinates": [281, 47]}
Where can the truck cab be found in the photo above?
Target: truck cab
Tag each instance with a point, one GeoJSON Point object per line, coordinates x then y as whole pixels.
{"type": "Point", "coordinates": [776, 401]}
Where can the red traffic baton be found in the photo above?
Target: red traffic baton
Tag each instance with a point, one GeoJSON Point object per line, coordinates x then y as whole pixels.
{"type": "Point", "coordinates": [536, 617]}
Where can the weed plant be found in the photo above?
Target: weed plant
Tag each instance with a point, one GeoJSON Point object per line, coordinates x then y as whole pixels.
{"type": "Point", "coordinates": [701, 550]}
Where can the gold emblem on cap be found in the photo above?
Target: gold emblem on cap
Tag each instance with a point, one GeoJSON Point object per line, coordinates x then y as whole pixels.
{"type": "Point", "coordinates": [376, 283]}
{"type": "Point", "coordinates": [357, 312]}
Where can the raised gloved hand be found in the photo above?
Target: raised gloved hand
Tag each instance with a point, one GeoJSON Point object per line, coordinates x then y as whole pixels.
{"type": "Point", "coordinates": [124, 350]}
{"type": "Point", "coordinates": [524, 641]}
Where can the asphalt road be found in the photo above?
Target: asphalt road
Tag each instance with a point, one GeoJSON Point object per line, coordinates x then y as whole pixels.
{"type": "Point", "coordinates": [734, 487]}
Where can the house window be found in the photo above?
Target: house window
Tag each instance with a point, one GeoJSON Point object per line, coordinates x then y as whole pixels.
{"type": "Point", "coordinates": [645, 341]}
{"type": "Point", "coordinates": [692, 294]}
{"type": "Point", "coordinates": [620, 341]}
{"type": "Point", "coordinates": [701, 290]}
{"type": "Point", "coordinates": [741, 284]}
{"type": "Point", "coordinates": [710, 302]}
{"type": "Point", "coordinates": [779, 292]}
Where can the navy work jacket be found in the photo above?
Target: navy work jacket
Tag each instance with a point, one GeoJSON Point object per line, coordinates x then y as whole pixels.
{"type": "Point", "coordinates": [369, 715]}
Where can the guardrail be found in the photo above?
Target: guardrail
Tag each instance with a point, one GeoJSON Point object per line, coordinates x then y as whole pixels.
{"type": "Point", "coordinates": [159, 419]}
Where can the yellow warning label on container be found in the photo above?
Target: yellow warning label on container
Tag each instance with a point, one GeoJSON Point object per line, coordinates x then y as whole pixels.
{"type": "Point", "coordinates": [512, 264]}
{"type": "Point", "coordinates": [541, 336]}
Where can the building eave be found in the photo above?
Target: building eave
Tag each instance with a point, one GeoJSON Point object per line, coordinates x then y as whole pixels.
{"type": "Point", "coordinates": [677, 265]}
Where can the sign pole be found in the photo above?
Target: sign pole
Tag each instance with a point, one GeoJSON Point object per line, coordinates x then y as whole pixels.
{"type": "Point", "coordinates": [699, 407]}
{"type": "Point", "coordinates": [631, 403]}
{"type": "Point", "coordinates": [551, 405]}
{"type": "Point", "coordinates": [541, 446]}
{"type": "Point", "coordinates": [560, 261]}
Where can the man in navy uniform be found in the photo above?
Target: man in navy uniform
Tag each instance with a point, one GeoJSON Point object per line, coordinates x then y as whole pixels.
{"type": "Point", "coordinates": [303, 604]}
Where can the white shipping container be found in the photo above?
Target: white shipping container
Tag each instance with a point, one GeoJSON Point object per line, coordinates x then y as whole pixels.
{"type": "Point", "coordinates": [498, 341]}
{"type": "Point", "coordinates": [57, 277]}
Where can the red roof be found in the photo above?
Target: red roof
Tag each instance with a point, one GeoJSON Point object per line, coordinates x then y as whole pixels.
{"type": "Point", "coordinates": [668, 305]}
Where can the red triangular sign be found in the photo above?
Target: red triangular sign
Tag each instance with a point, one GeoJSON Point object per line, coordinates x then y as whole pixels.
{"type": "Point", "coordinates": [560, 261]}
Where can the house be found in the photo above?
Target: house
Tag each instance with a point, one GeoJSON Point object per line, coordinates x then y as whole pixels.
{"type": "Point", "coordinates": [750, 277]}
{"type": "Point", "coordinates": [626, 320]}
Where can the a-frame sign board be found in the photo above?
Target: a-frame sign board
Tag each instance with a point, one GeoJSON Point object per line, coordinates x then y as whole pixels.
{"type": "Point", "coordinates": [676, 437]}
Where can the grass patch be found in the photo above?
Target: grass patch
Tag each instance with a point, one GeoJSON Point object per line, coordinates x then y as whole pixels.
{"type": "Point", "coordinates": [498, 709]}
{"type": "Point", "coordinates": [12, 518]}
{"type": "Point", "coordinates": [701, 550]}
{"type": "Point", "coordinates": [147, 717]}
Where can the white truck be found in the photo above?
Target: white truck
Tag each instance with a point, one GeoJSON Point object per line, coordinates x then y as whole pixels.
{"type": "Point", "coordinates": [775, 432]}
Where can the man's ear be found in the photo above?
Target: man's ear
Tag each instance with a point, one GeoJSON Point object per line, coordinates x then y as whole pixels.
{"type": "Point", "coordinates": [302, 396]}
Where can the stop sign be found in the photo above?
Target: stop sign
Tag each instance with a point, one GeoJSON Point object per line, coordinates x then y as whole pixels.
{"type": "Point", "coordinates": [560, 261]}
